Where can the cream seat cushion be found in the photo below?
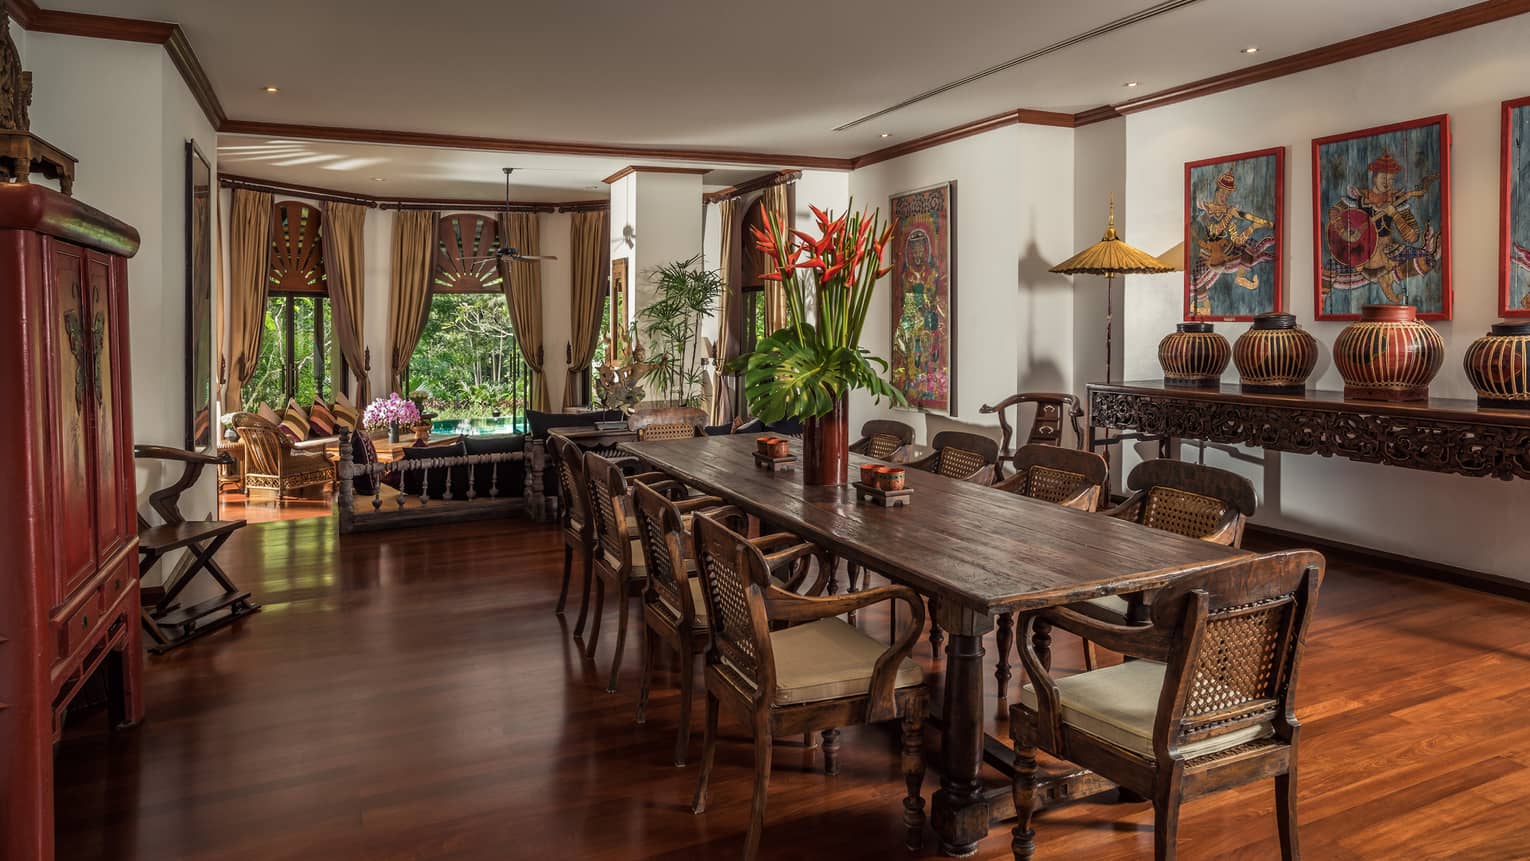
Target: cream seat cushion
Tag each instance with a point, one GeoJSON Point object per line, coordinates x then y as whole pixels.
{"type": "Point", "coordinates": [1119, 705]}
{"type": "Point", "coordinates": [829, 659]}
{"type": "Point", "coordinates": [1114, 605]}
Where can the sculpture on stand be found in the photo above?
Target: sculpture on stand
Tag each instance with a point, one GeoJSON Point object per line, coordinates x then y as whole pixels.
{"type": "Point", "coordinates": [21, 152]}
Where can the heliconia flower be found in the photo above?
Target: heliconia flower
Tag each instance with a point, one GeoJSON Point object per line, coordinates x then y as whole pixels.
{"type": "Point", "coordinates": [772, 276]}
{"type": "Point", "coordinates": [823, 217]}
{"type": "Point", "coordinates": [882, 273]}
{"type": "Point", "coordinates": [805, 237]}
{"type": "Point", "coordinates": [829, 273]}
{"type": "Point", "coordinates": [813, 263]}
{"type": "Point", "coordinates": [886, 235]}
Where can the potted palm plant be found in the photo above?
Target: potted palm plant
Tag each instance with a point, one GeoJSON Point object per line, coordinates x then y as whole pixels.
{"type": "Point", "coordinates": [809, 367]}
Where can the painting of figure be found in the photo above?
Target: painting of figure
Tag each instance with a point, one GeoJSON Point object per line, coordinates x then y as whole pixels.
{"type": "Point", "coordinates": [1235, 235]}
{"type": "Point", "coordinates": [1514, 267]}
{"type": "Point", "coordinates": [1381, 201]}
{"type": "Point", "coordinates": [924, 297]}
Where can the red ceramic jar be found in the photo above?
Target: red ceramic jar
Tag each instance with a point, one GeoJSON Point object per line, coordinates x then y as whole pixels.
{"type": "Point", "coordinates": [1388, 355]}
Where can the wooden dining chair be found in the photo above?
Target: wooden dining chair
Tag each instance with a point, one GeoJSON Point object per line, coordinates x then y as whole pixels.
{"type": "Point", "coordinates": [959, 454]}
{"type": "Point", "coordinates": [618, 562]}
{"type": "Point", "coordinates": [1188, 499]}
{"type": "Point", "coordinates": [1070, 477]}
{"type": "Point", "coordinates": [1046, 424]}
{"type": "Point", "coordinates": [881, 438]}
{"type": "Point", "coordinates": [574, 521]}
{"type": "Point", "coordinates": [820, 674]}
{"type": "Point", "coordinates": [674, 611]}
{"type": "Point", "coordinates": [1208, 706]}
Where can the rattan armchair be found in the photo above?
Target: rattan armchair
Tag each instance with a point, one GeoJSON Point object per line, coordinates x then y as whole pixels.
{"type": "Point", "coordinates": [882, 438]}
{"type": "Point", "coordinates": [958, 454]}
{"type": "Point", "coordinates": [820, 674]}
{"type": "Point", "coordinates": [273, 462]}
{"type": "Point", "coordinates": [1208, 706]}
{"type": "Point", "coordinates": [574, 522]}
{"type": "Point", "coordinates": [1184, 498]}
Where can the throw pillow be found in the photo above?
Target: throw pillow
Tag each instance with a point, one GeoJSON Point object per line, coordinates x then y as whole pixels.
{"type": "Point", "coordinates": [346, 414]}
{"type": "Point", "coordinates": [295, 422]}
{"type": "Point", "coordinates": [321, 422]}
{"type": "Point", "coordinates": [363, 453]}
{"type": "Point", "coordinates": [435, 480]}
{"type": "Point", "coordinates": [270, 415]}
{"type": "Point", "coordinates": [511, 473]}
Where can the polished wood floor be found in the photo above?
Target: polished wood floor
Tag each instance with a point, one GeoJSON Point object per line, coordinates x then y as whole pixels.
{"type": "Point", "coordinates": [265, 509]}
{"type": "Point", "coordinates": [413, 696]}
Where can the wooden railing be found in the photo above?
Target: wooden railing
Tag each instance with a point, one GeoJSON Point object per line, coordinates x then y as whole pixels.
{"type": "Point", "coordinates": [391, 508]}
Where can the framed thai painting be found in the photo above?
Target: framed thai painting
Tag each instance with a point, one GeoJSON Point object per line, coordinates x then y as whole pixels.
{"type": "Point", "coordinates": [1381, 220]}
{"type": "Point", "coordinates": [923, 361]}
{"type": "Point", "coordinates": [1235, 235]}
{"type": "Point", "coordinates": [199, 309]}
{"type": "Point", "coordinates": [1514, 259]}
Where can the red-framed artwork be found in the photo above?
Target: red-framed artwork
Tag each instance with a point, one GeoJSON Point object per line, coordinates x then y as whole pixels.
{"type": "Point", "coordinates": [1235, 228]}
{"type": "Point", "coordinates": [1514, 211]}
{"type": "Point", "coordinates": [1381, 219]}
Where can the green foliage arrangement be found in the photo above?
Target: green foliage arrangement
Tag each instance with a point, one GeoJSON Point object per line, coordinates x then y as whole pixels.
{"type": "Point", "coordinates": [803, 369]}
{"type": "Point", "coordinates": [685, 294]}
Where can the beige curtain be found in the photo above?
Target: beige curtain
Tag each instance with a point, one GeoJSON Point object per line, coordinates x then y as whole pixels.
{"type": "Point", "coordinates": [727, 300]}
{"type": "Point", "coordinates": [590, 244]}
{"type": "Point", "coordinates": [249, 239]}
{"type": "Point", "coordinates": [344, 265]}
{"type": "Point", "coordinates": [778, 204]}
{"type": "Point", "coordinates": [523, 293]}
{"type": "Point", "coordinates": [414, 261]}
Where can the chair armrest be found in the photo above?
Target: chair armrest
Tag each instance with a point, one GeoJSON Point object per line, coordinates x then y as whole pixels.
{"type": "Point", "coordinates": [859, 446]}
{"type": "Point", "coordinates": [925, 463]}
{"type": "Point", "coordinates": [781, 605]}
{"type": "Point", "coordinates": [1132, 639]}
{"type": "Point", "coordinates": [1127, 510]}
{"type": "Point", "coordinates": [692, 503]}
{"type": "Point", "coordinates": [1229, 529]}
{"type": "Point", "coordinates": [794, 549]}
{"type": "Point", "coordinates": [318, 443]}
{"type": "Point", "coordinates": [164, 452]}
{"type": "Point", "coordinates": [1087, 498]}
{"type": "Point", "coordinates": [983, 476]}
{"type": "Point", "coordinates": [1012, 484]}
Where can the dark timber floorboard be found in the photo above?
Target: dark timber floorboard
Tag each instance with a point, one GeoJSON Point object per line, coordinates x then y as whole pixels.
{"type": "Point", "coordinates": [412, 696]}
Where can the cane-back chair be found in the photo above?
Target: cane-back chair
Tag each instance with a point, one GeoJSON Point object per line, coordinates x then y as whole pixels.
{"type": "Point", "coordinates": [882, 438]}
{"type": "Point", "coordinates": [1208, 706]}
{"type": "Point", "coordinates": [674, 610]}
{"type": "Point", "coordinates": [667, 423]}
{"type": "Point", "coordinates": [574, 518]}
{"type": "Point", "coordinates": [958, 454]}
{"type": "Point", "coordinates": [820, 674]}
{"type": "Point", "coordinates": [1046, 425]}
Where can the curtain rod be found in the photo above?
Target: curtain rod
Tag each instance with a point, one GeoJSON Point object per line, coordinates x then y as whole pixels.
{"type": "Point", "coordinates": [234, 181]}
{"type": "Point", "coordinates": [780, 177]}
{"type": "Point", "coordinates": [231, 181]}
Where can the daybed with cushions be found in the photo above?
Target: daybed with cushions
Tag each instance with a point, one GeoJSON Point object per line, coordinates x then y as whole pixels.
{"type": "Point", "coordinates": [454, 479]}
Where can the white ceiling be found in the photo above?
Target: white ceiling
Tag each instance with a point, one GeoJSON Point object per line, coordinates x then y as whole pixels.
{"type": "Point", "coordinates": [762, 77]}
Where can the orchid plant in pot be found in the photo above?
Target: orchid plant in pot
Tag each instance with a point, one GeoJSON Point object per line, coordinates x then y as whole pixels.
{"type": "Point", "coordinates": [809, 367]}
{"type": "Point", "coordinates": [391, 413]}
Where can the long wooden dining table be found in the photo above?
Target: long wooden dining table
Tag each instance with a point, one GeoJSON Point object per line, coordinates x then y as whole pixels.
{"type": "Point", "coordinates": [978, 551]}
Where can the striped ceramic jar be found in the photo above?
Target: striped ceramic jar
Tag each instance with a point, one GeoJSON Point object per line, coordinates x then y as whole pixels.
{"type": "Point", "coordinates": [1193, 356]}
{"type": "Point", "coordinates": [1498, 365]}
{"type": "Point", "coordinates": [1275, 356]}
{"type": "Point", "coordinates": [1388, 355]}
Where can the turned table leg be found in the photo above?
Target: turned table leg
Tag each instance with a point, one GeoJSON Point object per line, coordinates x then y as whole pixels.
{"type": "Point", "coordinates": [959, 811]}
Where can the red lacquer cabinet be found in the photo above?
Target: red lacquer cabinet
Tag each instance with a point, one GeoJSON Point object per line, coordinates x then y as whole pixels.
{"type": "Point", "coordinates": [68, 530]}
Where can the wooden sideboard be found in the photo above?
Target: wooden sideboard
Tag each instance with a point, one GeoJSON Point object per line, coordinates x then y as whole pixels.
{"type": "Point", "coordinates": [69, 588]}
{"type": "Point", "coordinates": [1438, 435]}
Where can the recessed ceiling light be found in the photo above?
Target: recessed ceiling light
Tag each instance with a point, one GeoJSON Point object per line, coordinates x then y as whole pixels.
{"type": "Point", "coordinates": [886, 134]}
{"type": "Point", "coordinates": [1251, 49]}
{"type": "Point", "coordinates": [272, 89]}
{"type": "Point", "coordinates": [1130, 84]}
{"type": "Point", "coordinates": [379, 179]}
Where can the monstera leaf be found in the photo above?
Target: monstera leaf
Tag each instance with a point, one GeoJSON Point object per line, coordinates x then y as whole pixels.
{"type": "Point", "coordinates": [795, 374]}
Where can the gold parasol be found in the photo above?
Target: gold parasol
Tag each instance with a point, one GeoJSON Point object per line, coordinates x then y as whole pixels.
{"type": "Point", "coordinates": [1111, 256]}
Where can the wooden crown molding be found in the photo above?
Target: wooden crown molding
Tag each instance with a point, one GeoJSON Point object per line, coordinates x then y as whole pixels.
{"type": "Point", "coordinates": [1021, 116]}
{"type": "Point", "coordinates": [31, 17]}
{"type": "Point", "coordinates": [229, 180]}
{"type": "Point", "coordinates": [38, 20]}
{"type": "Point", "coordinates": [643, 168]}
{"type": "Point", "coordinates": [1442, 24]}
{"type": "Point", "coordinates": [779, 177]}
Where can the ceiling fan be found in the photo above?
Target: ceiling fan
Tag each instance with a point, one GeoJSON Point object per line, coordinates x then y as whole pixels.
{"type": "Point", "coordinates": [506, 252]}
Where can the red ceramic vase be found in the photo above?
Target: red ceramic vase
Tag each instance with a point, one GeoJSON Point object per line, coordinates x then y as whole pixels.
{"type": "Point", "coordinates": [1388, 355]}
{"type": "Point", "coordinates": [826, 446]}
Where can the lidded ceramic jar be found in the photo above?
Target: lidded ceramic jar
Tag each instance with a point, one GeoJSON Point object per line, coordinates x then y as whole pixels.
{"type": "Point", "coordinates": [1388, 355]}
{"type": "Point", "coordinates": [1275, 356]}
{"type": "Point", "coordinates": [1193, 356]}
{"type": "Point", "coordinates": [1498, 365]}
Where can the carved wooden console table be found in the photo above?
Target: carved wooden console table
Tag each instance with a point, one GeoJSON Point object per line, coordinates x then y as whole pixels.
{"type": "Point", "coordinates": [1440, 435]}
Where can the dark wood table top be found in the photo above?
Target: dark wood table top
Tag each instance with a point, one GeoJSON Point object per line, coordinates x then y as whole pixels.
{"type": "Point", "coordinates": [1325, 399]}
{"type": "Point", "coordinates": [983, 549]}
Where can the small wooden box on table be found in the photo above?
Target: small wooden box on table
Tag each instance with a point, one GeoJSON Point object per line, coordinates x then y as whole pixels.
{"type": "Point", "coordinates": [69, 585]}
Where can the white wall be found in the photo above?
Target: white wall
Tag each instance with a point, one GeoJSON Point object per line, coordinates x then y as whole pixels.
{"type": "Point", "coordinates": [1014, 219]}
{"type": "Point", "coordinates": [1468, 522]}
{"type": "Point", "coordinates": [122, 110]}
